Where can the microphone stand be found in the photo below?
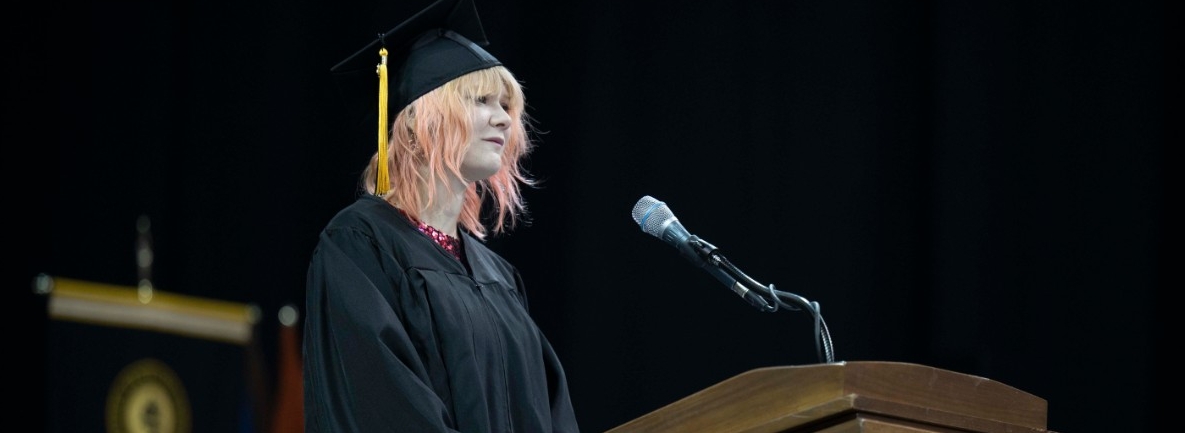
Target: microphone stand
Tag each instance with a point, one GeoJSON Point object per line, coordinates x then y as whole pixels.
{"type": "Point", "coordinates": [823, 344]}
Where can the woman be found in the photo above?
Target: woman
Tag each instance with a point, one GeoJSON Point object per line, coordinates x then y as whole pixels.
{"type": "Point", "coordinates": [413, 323]}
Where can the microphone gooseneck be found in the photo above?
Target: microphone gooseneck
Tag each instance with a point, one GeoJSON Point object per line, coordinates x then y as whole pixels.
{"type": "Point", "coordinates": [656, 219]}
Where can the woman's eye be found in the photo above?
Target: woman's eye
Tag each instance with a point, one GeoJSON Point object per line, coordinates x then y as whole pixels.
{"type": "Point", "coordinates": [482, 99]}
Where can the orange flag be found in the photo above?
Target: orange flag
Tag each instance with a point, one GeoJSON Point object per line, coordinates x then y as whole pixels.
{"type": "Point", "coordinates": [288, 407]}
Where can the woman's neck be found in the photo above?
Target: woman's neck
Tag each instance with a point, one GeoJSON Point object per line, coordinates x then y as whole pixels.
{"type": "Point", "coordinates": [445, 211]}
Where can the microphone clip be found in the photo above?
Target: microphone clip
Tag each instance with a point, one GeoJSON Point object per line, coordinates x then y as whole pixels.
{"type": "Point", "coordinates": [704, 250]}
{"type": "Point", "coordinates": [708, 256]}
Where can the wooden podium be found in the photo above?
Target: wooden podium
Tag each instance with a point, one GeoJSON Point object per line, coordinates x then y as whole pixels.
{"type": "Point", "coordinates": [847, 397]}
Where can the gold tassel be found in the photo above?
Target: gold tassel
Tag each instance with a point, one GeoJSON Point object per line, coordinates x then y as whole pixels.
{"type": "Point", "coordinates": [383, 183]}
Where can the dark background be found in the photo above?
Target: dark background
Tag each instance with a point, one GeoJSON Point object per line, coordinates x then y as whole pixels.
{"type": "Point", "coordinates": [980, 187]}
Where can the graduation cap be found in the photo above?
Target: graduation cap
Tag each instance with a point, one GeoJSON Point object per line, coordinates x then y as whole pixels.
{"type": "Point", "coordinates": [441, 42]}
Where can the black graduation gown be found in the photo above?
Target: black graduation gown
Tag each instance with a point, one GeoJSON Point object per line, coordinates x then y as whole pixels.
{"type": "Point", "coordinates": [400, 336]}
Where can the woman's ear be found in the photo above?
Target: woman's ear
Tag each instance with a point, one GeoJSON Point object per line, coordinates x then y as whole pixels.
{"type": "Point", "coordinates": [410, 118]}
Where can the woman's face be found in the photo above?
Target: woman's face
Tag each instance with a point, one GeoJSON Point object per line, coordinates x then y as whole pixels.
{"type": "Point", "coordinates": [491, 126]}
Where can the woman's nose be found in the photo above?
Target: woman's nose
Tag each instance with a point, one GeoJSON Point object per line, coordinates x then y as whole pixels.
{"type": "Point", "coordinates": [500, 118]}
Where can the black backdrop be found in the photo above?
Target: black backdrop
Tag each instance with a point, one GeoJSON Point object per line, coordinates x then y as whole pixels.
{"type": "Point", "coordinates": [976, 187]}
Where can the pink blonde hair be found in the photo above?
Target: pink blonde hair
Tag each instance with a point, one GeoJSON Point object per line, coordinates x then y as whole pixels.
{"type": "Point", "coordinates": [439, 122]}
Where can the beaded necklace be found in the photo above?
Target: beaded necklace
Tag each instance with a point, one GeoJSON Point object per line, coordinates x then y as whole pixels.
{"type": "Point", "coordinates": [449, 243]}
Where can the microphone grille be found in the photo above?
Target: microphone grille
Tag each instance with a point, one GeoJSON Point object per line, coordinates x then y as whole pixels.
{"type": "Point", "coordinates": [651, 214]}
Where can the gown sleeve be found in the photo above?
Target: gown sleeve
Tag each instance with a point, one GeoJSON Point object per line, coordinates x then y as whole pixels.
{"type": "Point", "coordinates": [357, 351]}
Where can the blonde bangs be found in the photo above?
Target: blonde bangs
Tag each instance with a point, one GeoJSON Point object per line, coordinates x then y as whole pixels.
{"type": "Point", "coordinates": [497, 79]}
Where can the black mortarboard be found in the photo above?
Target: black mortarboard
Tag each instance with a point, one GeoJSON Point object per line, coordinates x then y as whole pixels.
{"type": "Point", "coordinates": [441, 42]}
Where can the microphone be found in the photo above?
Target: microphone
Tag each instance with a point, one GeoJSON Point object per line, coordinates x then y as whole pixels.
{"type": "Point", "coordinates": [656, 219]}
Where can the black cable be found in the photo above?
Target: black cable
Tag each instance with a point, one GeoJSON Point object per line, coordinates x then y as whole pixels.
{"type": "Point", "coordinates": [823, 344]}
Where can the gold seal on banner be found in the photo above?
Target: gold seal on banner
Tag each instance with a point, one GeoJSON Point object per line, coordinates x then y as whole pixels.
{"type": "Point", "coordinates": [148, 397]}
